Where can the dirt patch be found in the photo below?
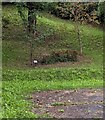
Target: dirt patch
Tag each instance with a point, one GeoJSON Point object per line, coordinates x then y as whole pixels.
{"type": "Point", "coordinates": [81, 103]}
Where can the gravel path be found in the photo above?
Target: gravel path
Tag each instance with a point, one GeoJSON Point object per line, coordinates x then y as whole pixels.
{"type": "Point", "coordinates": [81, 103]}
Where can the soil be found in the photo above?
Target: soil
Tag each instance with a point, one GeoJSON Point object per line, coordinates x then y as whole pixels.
{"type": "Point", "coordinates": [80, 103]}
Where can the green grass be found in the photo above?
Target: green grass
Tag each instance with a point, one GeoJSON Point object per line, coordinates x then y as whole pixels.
{"type": "Point", "coordinates": [92, 39]}
{"type": "Point", "coordinates": [18, 85]}
{"type": "Point", "coordinates": [19, 80]}
{"type": "Point", "coordinates": [51, 74]}
{"type": "Point", "coordinates": [14, 93]}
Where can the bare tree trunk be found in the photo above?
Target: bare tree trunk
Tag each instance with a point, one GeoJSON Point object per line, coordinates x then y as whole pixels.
{"type": "Point", "coordinates": [31, 27]}
{"type": "Point", "coordinates": [77, 27]}
{"type": "Point", "coordinates": [31, 53]}
{"type": "Point", "coordinates": [79, 40]}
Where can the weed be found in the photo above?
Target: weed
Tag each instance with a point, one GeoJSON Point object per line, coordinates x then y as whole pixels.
{"type": "Point", "coordinates": [61, 110]}
{"type": "Point", "coordinates": [57, 104]}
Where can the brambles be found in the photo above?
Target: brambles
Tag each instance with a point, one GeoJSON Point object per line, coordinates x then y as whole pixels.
{"type": "Point", "coordinates": [60, 56]}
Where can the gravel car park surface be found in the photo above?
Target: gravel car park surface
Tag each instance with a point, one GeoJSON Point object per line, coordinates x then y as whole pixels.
{"type": "Point", "coordinates": [79, 103]}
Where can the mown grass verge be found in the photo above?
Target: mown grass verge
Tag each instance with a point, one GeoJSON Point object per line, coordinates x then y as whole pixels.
{"type": "Point", "coordinates": [18, 85]}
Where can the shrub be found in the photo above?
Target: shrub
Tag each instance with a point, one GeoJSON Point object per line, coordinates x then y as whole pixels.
{"type": "Point", "coordinates": [60, 56]}
{"type": "Point", "coordinates": [101, 12]}
{"type": "Point", "coordinates": [46, 59]}
{"type": "Point", "coordinates": [5, 22]}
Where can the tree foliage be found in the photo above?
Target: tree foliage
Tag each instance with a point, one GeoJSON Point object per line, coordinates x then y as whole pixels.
{"type": "Point", "coordinates": [101, 12]}
{"type": "Point", "coordinates": [87, 12]}
{"type": "Point", "coordinates": [31, 20]}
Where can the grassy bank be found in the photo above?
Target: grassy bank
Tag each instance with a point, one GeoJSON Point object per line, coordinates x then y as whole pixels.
{"type": "Point", "coordinates": [19, 80]}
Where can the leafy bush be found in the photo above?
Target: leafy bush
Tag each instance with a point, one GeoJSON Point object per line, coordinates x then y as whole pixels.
{"type": "Point", "coordinates": [60, 56]}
